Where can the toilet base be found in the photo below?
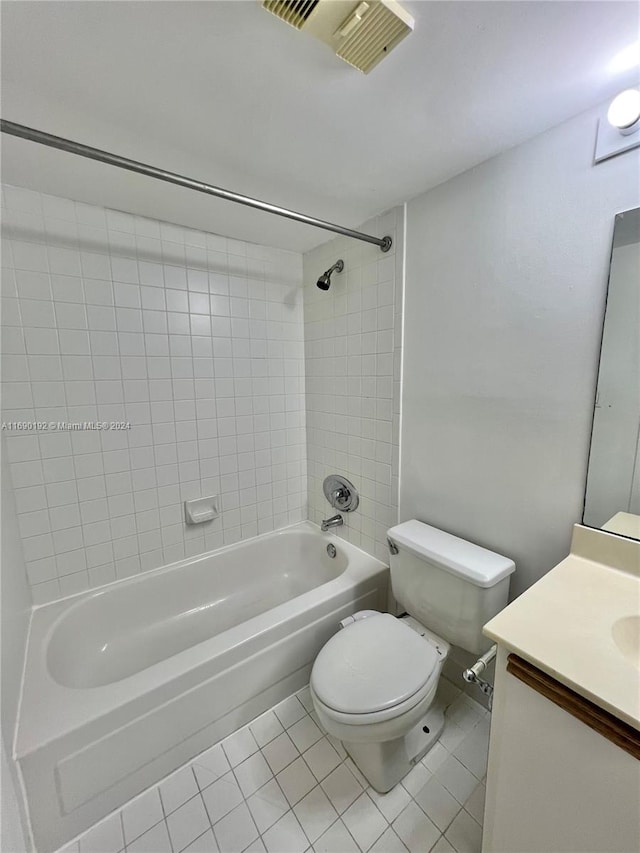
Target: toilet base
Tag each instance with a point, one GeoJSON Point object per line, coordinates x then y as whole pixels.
{"type": "Point", "coordinates": [385, 764]}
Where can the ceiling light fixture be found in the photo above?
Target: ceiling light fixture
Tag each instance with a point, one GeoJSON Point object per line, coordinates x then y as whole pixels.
{"type": "Point", "coordinates": [618, 126]}
{"type": "Point", "coordinates": [624, 112]}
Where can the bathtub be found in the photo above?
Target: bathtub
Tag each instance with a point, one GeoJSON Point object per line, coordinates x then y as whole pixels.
{"type": "Point", "coordinates": [124, 684]}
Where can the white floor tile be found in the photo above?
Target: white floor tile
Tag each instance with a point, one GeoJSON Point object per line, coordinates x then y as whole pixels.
{"type": "Point", "coordinates": [105, 837]}
{"type": "Point", "coordinates": [464, 712]}
{"type": "Point", "coordinates": [222, 797]}
{"type": "Point", "coordinates": [437, 803]}
{"type": "Point", "coordinates": [342, 788]}
{"type": "Point", "coordinates": [187, 823]}
{"type": "Point", "coordinates": [350, 765]}
{"type": "Point", "coordinates": [389, 843]}
{"type": "Point", "coordinates": [465, 834]}
{"type": "Point", "coordinates": [391, 803]}
{"type": "Point", "coordinates": [236, 831]}
{"type": "Point", "coordinates": [304, 696]}
{"type": "Point", "coordinates": [206, 843]}
{"type": "Point", "coordinates": [247, 802]}
{"type": "Point", "coordinates": [364, 821]}
{"type": "Point", "coordinates": [253, 774]}
{"type": "Point", "coordinates": [473, 752]}
{"type": "Point", "coordinates": [322, 758]}
{"type": "Point", "coordinates": [268, 805]}
{"type": "Point", "coordinates": [447, 692]}
{"type": "Point", "coordinates": [239, 746]}
{"type": "Point", "coordinates": [210, 765]}
{"type": "Point", "coordinates": [452, 736]}
{"type": "Point", "coordinates": [316, 720]}
{"type": "Point", "coordinates": [337, 745]}
{"type": "Point", "coordinates": [156, 840]}
{"type": "Point", "coordinates": [336, 840]}
{"type": "Point", "coordinates": [296, 780]}
{"type": "Point", "coordinates": [266, 728]}
{"type": "Point", "coordinates": [290, 711]}
{"type": "Point", "coordinates": [416, 778]}
{"type": "Point", "coordinates": [304, 733]}
{"type": "Point", "coordinates": [177, 789]}
{"type": "Point", "coordinates": [141, 814]}
{"type": "Point", "coordinates": [475, 804]}
{"type": "Point", "coordinates": [415, 829]}
{"type": "Point", "coordinates": [457, 779]}
{"type": "Point", "coordinates": [286, 836]}
{"type": "Point", "coordinates": [315, 813]}
{"type": "Point", "coordinates": [280, 752]}
{"type": "Point", "coordinates": [442, 846]}
{"type": "Point", "coordinates": [436, 757]}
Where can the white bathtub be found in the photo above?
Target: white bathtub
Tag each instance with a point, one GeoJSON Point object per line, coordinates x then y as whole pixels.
{"type": "Point", "coordinates": [124, 684]}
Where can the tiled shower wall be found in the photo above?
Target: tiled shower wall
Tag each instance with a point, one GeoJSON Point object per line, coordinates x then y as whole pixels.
{"type": "Point", "coordinates": [353, 348]}
{"type": "Point", "coordinates": [194, 340]}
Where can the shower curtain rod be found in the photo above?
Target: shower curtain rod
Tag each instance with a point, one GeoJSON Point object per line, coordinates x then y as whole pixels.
{"type": "Point", "coordinates": [81, 150]}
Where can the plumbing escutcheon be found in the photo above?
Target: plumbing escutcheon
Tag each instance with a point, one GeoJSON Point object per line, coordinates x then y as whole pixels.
{"type": "Point", "coordinates": [340, 493]}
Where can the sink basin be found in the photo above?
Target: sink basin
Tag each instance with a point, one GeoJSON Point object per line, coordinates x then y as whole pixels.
{"type": "Point", "coordinates": [626, 636]}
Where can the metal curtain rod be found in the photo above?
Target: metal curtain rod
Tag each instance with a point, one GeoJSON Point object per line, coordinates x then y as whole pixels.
{"type": "Point", "coordinates": [81, 150]}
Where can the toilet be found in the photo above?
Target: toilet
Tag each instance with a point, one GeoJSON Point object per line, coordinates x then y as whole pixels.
{"type": "Point", "coordinates": [374, 683]}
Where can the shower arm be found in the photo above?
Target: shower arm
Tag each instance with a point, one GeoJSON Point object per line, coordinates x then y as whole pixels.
{"type": "Point", "coordinates": [81, 150]}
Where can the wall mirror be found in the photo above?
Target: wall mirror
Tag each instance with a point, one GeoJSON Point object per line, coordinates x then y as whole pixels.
{"type": "Point", "coordinates": [612, 499]}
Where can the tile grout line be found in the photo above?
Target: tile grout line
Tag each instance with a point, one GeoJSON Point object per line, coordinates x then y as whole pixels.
{"type": "Point", "coordinates": [388, 824]}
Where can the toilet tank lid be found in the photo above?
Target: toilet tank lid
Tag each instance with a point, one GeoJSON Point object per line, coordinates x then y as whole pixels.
{"type": "Point", "coordinates": [468, 561]}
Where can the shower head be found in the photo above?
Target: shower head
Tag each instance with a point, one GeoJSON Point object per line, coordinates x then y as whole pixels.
{"type": "Point", "coordinates": [325, 279]}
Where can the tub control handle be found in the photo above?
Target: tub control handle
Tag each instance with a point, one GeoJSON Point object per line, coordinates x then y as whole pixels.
{"type": "Point", "coordinates": [340, 492]}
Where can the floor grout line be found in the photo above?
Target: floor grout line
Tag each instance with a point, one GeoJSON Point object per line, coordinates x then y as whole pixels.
{"type": "Point", "coordinates": [464, 712]}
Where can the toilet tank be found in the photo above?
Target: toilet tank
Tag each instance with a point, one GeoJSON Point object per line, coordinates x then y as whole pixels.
{"type": "Point", "coordinates": [451, 586]}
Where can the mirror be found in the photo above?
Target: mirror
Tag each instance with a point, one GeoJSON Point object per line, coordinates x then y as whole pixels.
{"type": "Point", "coordinates": [612, 499]}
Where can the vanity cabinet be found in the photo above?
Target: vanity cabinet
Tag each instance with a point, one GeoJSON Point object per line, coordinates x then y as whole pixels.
{"type": "Point", "coordinates": [563, 775]}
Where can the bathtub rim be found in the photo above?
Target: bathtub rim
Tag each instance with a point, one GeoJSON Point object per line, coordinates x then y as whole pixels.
{"type": "Point", "coordinates": [80, 599]}
{"type": "Point", "coordinates": [186, 561]}
{"type": "Point", "coordinates": [42, 699]}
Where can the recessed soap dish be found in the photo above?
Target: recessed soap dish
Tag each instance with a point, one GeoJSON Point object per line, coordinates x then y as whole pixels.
{"type": "Point", "coordinates": [201, 509]}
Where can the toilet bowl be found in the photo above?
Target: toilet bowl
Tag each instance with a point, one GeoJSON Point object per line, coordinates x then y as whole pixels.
{"type": "Point", "coordinates": [373, 687]}
{"type": "Point", "coordinates": [374, 683]}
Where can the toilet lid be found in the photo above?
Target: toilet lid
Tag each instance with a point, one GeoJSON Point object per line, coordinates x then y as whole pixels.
{"type": "Point", "coordinates": [372, 665]}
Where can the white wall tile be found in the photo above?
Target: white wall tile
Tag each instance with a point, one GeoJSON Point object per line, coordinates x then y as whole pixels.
{"type": "Point", "coordinates": [352, 402]}
{"type": "Point", "coordinates": [112, 317]}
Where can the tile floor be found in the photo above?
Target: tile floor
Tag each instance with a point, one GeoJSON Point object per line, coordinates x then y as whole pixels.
{"type": "Point", "coordinates": [282, 785]}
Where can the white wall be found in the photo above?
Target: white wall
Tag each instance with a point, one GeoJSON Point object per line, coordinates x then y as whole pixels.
{"type": "Point", "coordinates": [353, 350]}
{"type": "Point", "coordinates": [506, 272]}
{"type": "Point", "coordinates": [194, 339]}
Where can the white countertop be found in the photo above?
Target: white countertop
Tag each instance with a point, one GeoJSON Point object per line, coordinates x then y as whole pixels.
{"type": "Point", "coordinates": [563, 623]}
{"type": "Point", "coordinates": [625, 523]}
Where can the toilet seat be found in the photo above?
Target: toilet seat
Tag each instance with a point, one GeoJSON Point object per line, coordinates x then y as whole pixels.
{"type": "Point", "coordinates": [374, 670]}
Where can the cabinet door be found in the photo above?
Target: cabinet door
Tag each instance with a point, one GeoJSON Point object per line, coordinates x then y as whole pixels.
{"type": "Point", "coordinates": [554, 785]}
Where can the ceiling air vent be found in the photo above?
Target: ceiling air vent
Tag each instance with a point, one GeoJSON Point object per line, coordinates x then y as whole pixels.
{"type": "Point", "coordinates": [370, 37]}
{"type": "Point", "coordinates": [361, 33]}
{"type": "Point", "coordinates": [293, 12]}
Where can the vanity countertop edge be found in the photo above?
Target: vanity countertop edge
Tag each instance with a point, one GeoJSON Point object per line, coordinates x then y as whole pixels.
{"type": "Point", "coordinates": [563, 623]}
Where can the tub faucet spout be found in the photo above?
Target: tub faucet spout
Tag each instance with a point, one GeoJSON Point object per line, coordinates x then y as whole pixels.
{"type": "Point", "coordinates": [334, 521]}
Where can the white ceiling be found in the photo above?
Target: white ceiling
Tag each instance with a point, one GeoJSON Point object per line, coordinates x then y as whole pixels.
{"type": "Point", "coordinates": [225, 93]}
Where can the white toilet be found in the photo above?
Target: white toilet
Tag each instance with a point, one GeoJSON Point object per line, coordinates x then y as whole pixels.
{"type": "Point", "coordinates": [373, 684]}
